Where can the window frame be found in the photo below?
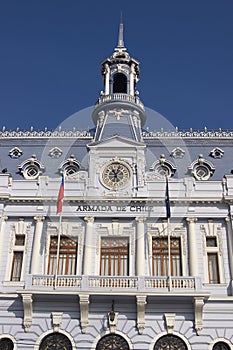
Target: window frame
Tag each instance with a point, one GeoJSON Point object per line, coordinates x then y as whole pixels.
{"type": "Point", "coordinates": [159, 230]}
{"type": "Point", "coordinates": [211, 250]}
{"type": "Point", "coordinates": [20, 228]}
{"type": "Point", "coordinates": [66, 254]}
{"type": "Point", "coordinates": [117, 253]}
{"type": "Point", "coordinates": [75, 232]}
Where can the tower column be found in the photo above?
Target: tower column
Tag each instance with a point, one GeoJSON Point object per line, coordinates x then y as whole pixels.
{"type": "Point", "coordinates": [131, 79]}
{"type": "Point", "coordinates": [193, 253]}
{"type": "Point", "coordinates": [107, 79]}
{"type": "Point", "coordinates": [35, 264]}
{"type": "Point", "coordinates": [140, 244]}
{"type": "Point", "coordinates": [88, 245]}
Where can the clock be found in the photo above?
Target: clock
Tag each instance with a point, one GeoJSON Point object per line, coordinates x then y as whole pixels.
{"type": "Point", "coordinates": [115, 175]}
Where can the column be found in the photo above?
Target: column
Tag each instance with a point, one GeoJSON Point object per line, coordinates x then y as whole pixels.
{"type": "Point", "coordinates": [230, 244]}
{"type": "Point", "coordinates": [140, 244]}
{"type": "Point", "coordinates": [193, 252]}
{"type": "Point", "coordinates": [88, 245]}
{"type": "Point", "coordinates": [35, 263]}
{"type": "Point", "coordinates": [107, 79]}
{"type": "Point", "coordinates": [2, 233]}
{"type": "Point", "coordinates": [131, 79]}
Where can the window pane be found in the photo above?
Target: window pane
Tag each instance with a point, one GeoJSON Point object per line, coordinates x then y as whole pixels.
{"type": "Point", "coordinates": [211, 242]}
{"type": "Point", "coordinates": [16, 266]}
{"type": "Point", "coordinates": [160, 256]}
{"type": "Point", "coordinates": [67, 256]}
{"type": "Point", "coordinates": [114, 257]}
{"type": "Point", "coordinates": [19, 240]}
{"type": "Point", "coordinates": [213, 268]}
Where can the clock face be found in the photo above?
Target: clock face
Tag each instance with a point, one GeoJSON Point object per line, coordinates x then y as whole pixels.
{"type": "Point", "coordinates": [115, 175]}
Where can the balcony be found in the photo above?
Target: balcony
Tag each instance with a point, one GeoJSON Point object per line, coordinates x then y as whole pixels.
{"type": "Point", "coordinates": [119, 97]}
{"type": "Point", "coordinates": [103, 284]}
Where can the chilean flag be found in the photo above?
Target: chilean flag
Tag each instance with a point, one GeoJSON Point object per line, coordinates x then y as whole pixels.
{"type": "Point", "coordinates": [60, 196]}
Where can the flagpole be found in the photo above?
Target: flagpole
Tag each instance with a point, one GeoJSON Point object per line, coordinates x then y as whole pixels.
{"type": "Point", "coordinates": [58, 250]}
{"type": "Point", "coordinates": [168, 215]}
{"type": "Point", "coordinates": [169, 254]}
{"type": "Point", "coordinates": [59, 211]}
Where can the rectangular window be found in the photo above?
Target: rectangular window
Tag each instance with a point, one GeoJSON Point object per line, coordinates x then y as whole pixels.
{"type": "Point", "coordinates": [17, 266]}
{"type": "Point", "coordinates": [67, 259]}
{"type": "Point", "coordinates": [160, 257]}
{"type": "Point", "coordinates": [114, 257]}
{"type": "Point", "coordinates": [213, 268]}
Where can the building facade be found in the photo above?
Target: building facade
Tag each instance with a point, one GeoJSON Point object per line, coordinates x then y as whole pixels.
{"type": "Point", "coordinates": [139, 255]}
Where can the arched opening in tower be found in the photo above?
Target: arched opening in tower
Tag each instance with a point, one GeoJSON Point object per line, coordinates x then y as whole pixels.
{"type": "Point", "coordinates": [120, 83]}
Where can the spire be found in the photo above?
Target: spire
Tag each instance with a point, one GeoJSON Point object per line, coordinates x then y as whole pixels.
{"type": "Point", "coordinates": [120, 35]}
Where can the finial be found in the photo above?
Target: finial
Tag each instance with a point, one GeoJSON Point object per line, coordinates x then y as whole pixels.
{"type": "Point", "coordinates": [120, 35]}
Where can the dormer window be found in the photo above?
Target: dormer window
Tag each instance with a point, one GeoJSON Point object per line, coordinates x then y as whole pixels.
{"type": "Point", "coordinates": [201, 169]}
{"type": "Point", "coordinates": [31, 168]}
{"type": "Point", "coordinates": [163, 167]}
{"type": "Point", "coordinates": [120, 83]}
{"type": "Point", "coordinates": [70, 167]}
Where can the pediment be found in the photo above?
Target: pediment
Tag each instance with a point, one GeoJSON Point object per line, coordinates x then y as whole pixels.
{"type": "Point", "coordinates": [116, 142]}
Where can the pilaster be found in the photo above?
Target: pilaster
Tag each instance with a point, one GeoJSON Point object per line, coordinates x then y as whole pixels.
{"type": "Point", "coordinates": [88, 249]}
{"type": "Point", "coordinates": [140, 256]}
{"type": "Point", "coordinates": [35, 264]}
{"type": "Point", "coordinates": [193, 252]}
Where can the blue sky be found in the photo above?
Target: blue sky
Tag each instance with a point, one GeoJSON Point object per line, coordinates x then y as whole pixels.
{"type": "Point", "coordinates": [50, 54]}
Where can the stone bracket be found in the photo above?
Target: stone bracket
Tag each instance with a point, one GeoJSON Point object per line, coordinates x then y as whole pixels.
{"type": "Point", "coordinates": [27, 306]}
{"type": "Point", "coordinates": [56, 320]}
{"type": "Point", "coordinates": [141, 305]}
{"type": "Point", "coordinates": [198, 311]}
{"type": "Point", "coordinates": [84, 310]}
{"type": "Point", "coordinates": [170, 322]}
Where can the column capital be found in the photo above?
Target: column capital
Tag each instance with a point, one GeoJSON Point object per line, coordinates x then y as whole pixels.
{"type": "Point", "coordinates": [191, 220]}
{"type": "Point", "coordinates": [89, 219]}
{"type": "Point", "coordinates": [140, 219]}
{"type": "Point", "coordinates": [5, 218]}
{"type": "Point", "coordinates": [39, 218]}
{"type": "Point", "coordinates": [227, 219]}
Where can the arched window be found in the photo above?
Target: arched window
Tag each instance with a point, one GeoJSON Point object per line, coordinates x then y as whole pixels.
{"type": "Point", "coordinates": [56, 341]}
{"type": "Point", "coordinates": [113, 342]}
{"type": "Point", "coordinates": [6, 344]}
{"type": "Point", "coordinates": [221, 346]}
{"type": "Point", "coordinates": [120, 83]}
{"type": "Point", "coordinates": [170, 342]}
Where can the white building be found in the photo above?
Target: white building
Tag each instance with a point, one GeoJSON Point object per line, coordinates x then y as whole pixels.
{"type": "Point", "coordinates": [130, 276]}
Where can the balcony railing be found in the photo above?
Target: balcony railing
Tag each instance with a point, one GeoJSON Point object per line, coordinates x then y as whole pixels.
{"type": "Point", "coordinates": [112, 283]}
{"type": "Point", "coordinates": [120, 98]}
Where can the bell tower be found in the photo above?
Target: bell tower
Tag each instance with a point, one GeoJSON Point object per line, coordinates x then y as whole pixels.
{"type": "Point", "coordinates": [119, 110]}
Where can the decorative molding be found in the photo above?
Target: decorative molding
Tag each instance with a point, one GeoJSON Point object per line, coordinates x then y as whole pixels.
{"type": "Point", "coordinates": [84, 310]}
{"type": "Point", "coordinates": [177, 153]}
{"type": "Point", "coordinates": [217, 153]}
{"type": "Point", "coordinates": [141, 304]}
{"type": "Point", "coordinates": [15, 152]}
{"type": "Point", "coordinates": [198, 313]}
{"type": "Point", "coordinates": [56, 320]}
{"type": "Point", "coordinates": [205, 134]}
{"type": "Point", "coordinates": [45, 133]}
{"type": "Point", "coordinates": [55, 152]}
{"type": "Point", "coordinates": [170, 322]}
{"type": "Point", "coordinates": [27, 306]}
